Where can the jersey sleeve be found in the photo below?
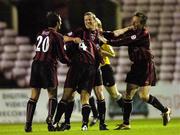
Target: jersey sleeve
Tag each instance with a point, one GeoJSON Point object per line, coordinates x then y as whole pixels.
{"type": "Point", "coordinates": [108, 34]}
{"type": "Point", "coordinates": [129, 39]}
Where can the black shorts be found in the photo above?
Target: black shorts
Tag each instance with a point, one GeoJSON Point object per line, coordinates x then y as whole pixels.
{"type": "Point", "coordinates": [142, 74]}
{"type": "Point", "coordinates": [98, 78]}
{"type": "Point", "coordinates": [43, 75]}
{"type": "Point", "coordinates": [80, 77]}
{"type": "Point", "coordinates": [107, 75]}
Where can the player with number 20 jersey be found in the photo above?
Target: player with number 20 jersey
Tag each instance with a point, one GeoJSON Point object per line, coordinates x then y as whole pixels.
{"type": "Point", "coordinates": [49, 49]}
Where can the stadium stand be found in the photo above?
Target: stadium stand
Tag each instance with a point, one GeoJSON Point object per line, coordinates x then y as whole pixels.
{"type": "Point", "coordinates": [177, 64]}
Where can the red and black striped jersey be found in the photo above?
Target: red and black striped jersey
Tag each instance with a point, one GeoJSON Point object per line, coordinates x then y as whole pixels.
{"type": "Point", "coordinates": [50, 47]}
{"type": "Point", "coordinates": [85, 52]}
{"type": "Point", "coordinates": [138, 42]}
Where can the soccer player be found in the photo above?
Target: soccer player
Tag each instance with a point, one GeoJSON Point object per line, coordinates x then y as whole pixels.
{"type": "Point", "coordinates": [109, 83]}
{"type": "Point", "coordinates": [81, 74]}
{"type": "Point", "coordinates": [142, 74]}
{"type": "Point", "coordinates": [49, 50]}
{"type": "Point", "coordinates": [98, 86]}
{"type": "Point", "coordinates": [107, 71]}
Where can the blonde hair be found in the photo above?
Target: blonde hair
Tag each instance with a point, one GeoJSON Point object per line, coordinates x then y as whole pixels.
{"type": "Point", "coordinates": [91, 14]}
{"type": "Point", "coordinates": [99, 23]}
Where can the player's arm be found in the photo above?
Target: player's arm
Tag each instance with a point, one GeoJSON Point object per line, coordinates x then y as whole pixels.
{"type": "Point", "coordinates": [115, 33]}
{"type": "Point", "coordinates": [61, 52]}
{"type": "Point", "coordinates": [107, 34]}
{"type": "Point", "coordinates": [125, 40]}
{"type": "Point", "coordinates": [122, 31]}
{"type": "Point", "coordinates": [72, 39]}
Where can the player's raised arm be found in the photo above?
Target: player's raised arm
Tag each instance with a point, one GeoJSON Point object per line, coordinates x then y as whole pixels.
{"type": "Point", "coordinates": [128, 40]}
{"type": "Point", "coordinates": [72, 39]}
{"type": "Point", "coordinates": [122, 31]}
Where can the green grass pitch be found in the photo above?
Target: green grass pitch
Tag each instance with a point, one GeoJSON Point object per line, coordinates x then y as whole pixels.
{"type": "Point", "coordinates": [138, 127]}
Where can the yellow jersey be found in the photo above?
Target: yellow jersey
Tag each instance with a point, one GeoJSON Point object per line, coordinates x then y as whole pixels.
{"type": "Point", "coordinates": [110, 53]}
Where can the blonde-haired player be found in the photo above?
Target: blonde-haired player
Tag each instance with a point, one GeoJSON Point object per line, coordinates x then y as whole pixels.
{"type": "Point", "coordinates": [107, 71]}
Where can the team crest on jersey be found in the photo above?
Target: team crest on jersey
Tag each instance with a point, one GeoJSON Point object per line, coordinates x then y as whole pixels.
{"type": "Point", "coordinates": [133, 37]}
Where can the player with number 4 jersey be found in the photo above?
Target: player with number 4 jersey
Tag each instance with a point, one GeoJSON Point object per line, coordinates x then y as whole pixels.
{"type": "Point", "coordinates": [85, 59]}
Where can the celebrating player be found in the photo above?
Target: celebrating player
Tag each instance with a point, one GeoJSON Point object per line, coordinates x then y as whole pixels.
{"type": "Point", "coordinates": [142, 74]}
{"type": "Point", "coordinates": [49, 49]}
{"type": "Point", "coordinates": [85, 59]}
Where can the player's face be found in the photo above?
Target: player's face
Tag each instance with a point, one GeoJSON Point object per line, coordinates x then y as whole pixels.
{"type": "Point", "coordinates": [136, 22]}
{"type": "Point", "coordinates": [89, 22]}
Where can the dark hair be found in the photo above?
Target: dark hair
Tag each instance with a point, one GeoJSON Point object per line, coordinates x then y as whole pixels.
{"type": "Point", "coordinates": [142, 16]}
{"type": "Point", "coordinates": [52, 19]}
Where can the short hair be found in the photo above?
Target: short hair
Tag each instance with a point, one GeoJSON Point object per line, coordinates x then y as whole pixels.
{"type": "Point", "coordinates": [142, 16]}
{"type": "Point", "coordinates": [91, 14]}
{"type": "Point", "coordinates": [52, 19]}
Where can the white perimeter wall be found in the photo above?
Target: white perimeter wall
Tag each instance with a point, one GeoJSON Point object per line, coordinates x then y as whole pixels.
{"type": "Point", "coordinates": [13, 103]}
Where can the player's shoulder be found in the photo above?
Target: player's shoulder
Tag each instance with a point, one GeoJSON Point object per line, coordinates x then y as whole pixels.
{"type": "Point", "coordinates": [144, 32]}
{"type": "Point", "coordinates": [53, 32]}
{"type": "Point", "coordinates": [43, 32]}
{"type": "Point", "coordinates": [57, 35]}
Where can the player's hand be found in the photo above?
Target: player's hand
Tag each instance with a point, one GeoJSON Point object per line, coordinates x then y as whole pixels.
{"type": "Point", "coordinates": [77, 40]}
{"type": "Point", "coordinates": [102, 39]}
